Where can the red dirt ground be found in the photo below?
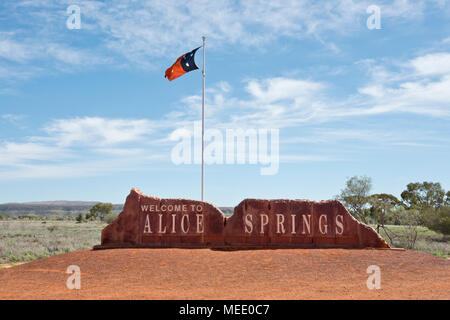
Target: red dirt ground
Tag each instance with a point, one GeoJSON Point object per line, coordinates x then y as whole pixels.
{"type": "Point", "coordinates": [251, 274]}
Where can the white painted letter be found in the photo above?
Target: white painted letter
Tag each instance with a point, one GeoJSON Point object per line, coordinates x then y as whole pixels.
{"type": "Point", "coordinates": [321, 225]}
{"type": "Point", "coordinates": [293, 224]}
{"type": "Point", "coordinates": [306, 223]}
{"type": "Point", "coordinates": [147, 228]}
{"type": "Point", "coordinates": [340, 224]}
{"type": "Point", "coordinates": [160, 225]}
{"type": "Point", "coordinates": [183, 228]}
{"type": "Point", "coordinates": [280, 221]}
{"type": "Point", "coordinates": [173, 223]}
{"type": "Point", "coordinates": [264, 222]}
{"type": "Point", "coordinates": [200, 223]}
{"type": "Point", "coordinates": [248, 223]}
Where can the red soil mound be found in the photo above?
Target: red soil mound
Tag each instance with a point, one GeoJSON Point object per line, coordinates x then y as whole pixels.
{"type": "Point", "coordinates": [252, 274]}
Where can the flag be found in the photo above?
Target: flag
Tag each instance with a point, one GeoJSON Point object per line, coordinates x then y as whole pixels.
{"type": "Point", "coordinates": [183, 65]}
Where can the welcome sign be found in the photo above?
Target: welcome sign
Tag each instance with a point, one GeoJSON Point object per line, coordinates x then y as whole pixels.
{"type": "Point", "coordinates": [153, 222]}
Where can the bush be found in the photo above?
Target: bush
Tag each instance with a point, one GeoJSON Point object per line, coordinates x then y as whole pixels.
{"type": "Point", "coordinates": [31, 217]}
{"type": "Point", "coordinates": [438, 220]}
{"type": "Point", "coordinates": [80, 218]}
{"type": "Point", "coordinates": [4, 216]}
{"type": "Point", "coordinates": [52, 228]}
{"type": "Point", "coordinates": [109, 218]}
{"type": "Point", "coordinates": [100, 210]}
{"type": "Point", "coordinates": [410, 219]}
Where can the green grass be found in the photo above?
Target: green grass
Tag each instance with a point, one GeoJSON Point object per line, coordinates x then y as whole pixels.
{"type": "Point", "coordinates": [23, 240]}
{"type": "Point", "coordinates": [428, 241]}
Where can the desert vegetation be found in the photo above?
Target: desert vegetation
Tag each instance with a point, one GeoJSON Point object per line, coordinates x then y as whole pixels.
{"type": "Point", "coordinates": [29, 239]}
{"type": "Point", "coordinates": [419, 220]}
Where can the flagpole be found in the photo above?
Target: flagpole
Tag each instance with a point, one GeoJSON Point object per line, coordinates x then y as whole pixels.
{"type": "Point", "coordinates": [203, 120]}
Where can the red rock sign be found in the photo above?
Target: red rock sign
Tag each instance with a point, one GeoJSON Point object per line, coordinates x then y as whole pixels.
{"type": "Point", "coordinates": [297, 223]}
{"type": "Point", "coordinates": [154, 222]}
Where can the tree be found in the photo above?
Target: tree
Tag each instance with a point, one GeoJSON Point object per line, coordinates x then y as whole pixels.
{"type": "Point", "coordinates": [410, 220]}
{"type": "Point", "coordinates": [355, 195]}
{"type": "Point", "coordinates": [100, 210]}
{"type": "Point", "coordinates": [439, 220]}
{"type": "Point", "coordinates": [425, 195]}
{"type": "Point", "coordinates": [382, 204]}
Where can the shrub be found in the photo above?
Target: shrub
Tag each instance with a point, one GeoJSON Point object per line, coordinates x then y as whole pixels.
{"type": "Point", "coordinates": [109, 218]}
{"type": "Point", "coordinates": [51, 228]}
{"type": "Point", "coordinates": [100, 210]}
{"type": "Point", "coordinates": [4, 216]}
{"type": "Point", "coordinates": [80, 218]}
{"type": "Point", "coordinates": [438, 220]}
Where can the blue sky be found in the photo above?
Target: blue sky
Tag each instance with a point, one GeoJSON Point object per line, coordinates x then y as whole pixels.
{"type": "Point", "coordinates": [87, 114]}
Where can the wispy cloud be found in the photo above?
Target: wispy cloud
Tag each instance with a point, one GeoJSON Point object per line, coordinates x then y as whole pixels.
{"type": "Point", "coordinates": [80, 147]}
{"type": "Point", "coordinates": [98, 131]}
{"type": "Point", "coordinates": [433, 64]}
{"type": "Point", "coordinates": [14, 119]}
{"type": "Point", "coordinates": [415, 87]}
{"type": "Point", "coordinates": [134, 31]}
{"type": "Point", "coordinates": [307, 158]}
{"type": "Point", "coordinates": [418, 86]}
{"type": "Point", "coordinates": [18, 153]}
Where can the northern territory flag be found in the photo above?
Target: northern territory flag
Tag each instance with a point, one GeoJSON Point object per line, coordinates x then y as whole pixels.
{"type": "Point", "coordinates": [183, 65]}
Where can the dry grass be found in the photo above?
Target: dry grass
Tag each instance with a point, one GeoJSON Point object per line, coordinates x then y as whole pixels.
{"type": "Point", "coordinates": [31, 240]}
{"type": "Point", "coordinates": [427, 241]}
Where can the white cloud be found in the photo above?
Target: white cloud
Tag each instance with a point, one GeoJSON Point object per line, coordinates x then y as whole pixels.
{"type": "Point", "coordinates": [278, 89]}
{"type": "Point", "coordinates": [98, 131]}
{"type": "Point", "coordinates": [64, 170]}
{"type": "Point", "coordinates": [155, 28]}
{"type": "Point", "coordinates": [432, 64]}
{"type": "Point", "coordinates": [140, 34]}
{"type": "Point", "coordinates": [306, 158]}
{"type": "Point", "coordinates": [13, 72]}
{"type": "Point", "coordinates": [14, 119]}
{"type": "Point", "coordinates": [80, 147]}
{"type": "Point", "coordinates": [373, 137]}
{"type": "Point", "coordinates": [13, 50]}
{"type": "Point", "coordinates": [419, 87]}
{"type": "Point", "coordinates": [137, 30]}
{"type": "Point", "coordinates": [18, 153]}
{"type": "Point", "coordinates": [282, 102]}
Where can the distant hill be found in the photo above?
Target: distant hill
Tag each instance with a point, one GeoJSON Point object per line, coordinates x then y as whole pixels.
{"type": "Point", "coordinates": [228, 211]}
{"type": "Point", "coordinates": [51, 208]}
{"type": "Point", "coordinates": [63, 208]}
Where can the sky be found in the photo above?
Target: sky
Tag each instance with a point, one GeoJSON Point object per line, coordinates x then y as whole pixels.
{"type": "Point", "coordinates": [86, 113]}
